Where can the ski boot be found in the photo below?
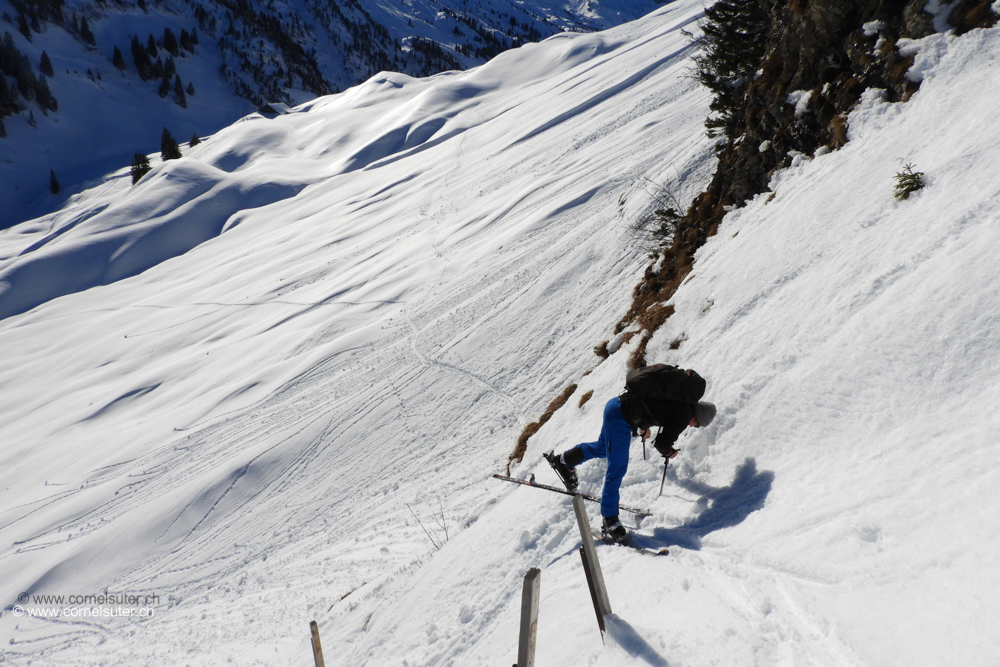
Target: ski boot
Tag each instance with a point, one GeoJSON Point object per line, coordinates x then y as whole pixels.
{"type": "Point", "coordinates": [566, 473]}
{"type": "Point", "coordinates": [613, 531]}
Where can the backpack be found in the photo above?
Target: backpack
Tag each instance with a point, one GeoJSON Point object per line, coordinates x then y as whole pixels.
{"type": "Point", "coordinates": [664, 382]}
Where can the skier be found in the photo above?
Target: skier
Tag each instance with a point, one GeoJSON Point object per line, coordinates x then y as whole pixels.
{"type": "Point", "coordinates": [625, 416]}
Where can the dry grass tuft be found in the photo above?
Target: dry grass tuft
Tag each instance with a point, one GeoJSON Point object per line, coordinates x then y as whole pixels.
{"type": "Point", "coordinates": [586, 397]}
{"type": "Point", "coordinates": [838, 130]}
{"type": "Point", "coordinates": [654, 317]}
{"type": "Point", "coordinates": [896, 76]}
{"type": "Point", "coordinates": [532, 428]}
{"type": "Point", "coordinates": [638, 357]}
{"type": "Point", "coordinates": [651, 319]}
{"type": "Point", "coordinates": [970, 14]}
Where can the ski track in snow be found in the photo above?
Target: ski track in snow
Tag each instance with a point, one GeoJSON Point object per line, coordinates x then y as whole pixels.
{"type": "Point", "coordinates": [343, 425]}
{"type": "Point", "coordinates": [264, 429]}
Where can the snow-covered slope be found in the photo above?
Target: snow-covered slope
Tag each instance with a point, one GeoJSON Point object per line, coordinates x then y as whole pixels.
{"type": "Point", "coordinates": [263, 407]}
{"type": "Point", "coordinates": [242, 53]}
{"type": "Point", "coordinates": [259, 431]}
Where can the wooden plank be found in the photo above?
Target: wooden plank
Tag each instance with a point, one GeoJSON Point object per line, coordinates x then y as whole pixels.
{"type": "Point", "coordinates": [593, 593]}
{"type": "Point", "coordinates": [591, 563]}
{"type": "Point", "coordinates": [317, 649]}
{"type": "Point", "coordinates": [529, 618]}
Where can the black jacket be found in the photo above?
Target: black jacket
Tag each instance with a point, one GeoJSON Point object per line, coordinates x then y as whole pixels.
{"type": "Point", "coordinates": [671, 416]}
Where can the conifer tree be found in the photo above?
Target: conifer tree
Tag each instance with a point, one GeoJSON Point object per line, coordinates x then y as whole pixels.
{"type": "Point", "coordinates": [733, 41]}
{"type": "Point", "coordinates": [164, 87]}
{"type": "Point", "coordinates": [8, 96]}
{"type": "Point", "coordinates": [3, 129]}
{"type": "Point", "coordinates": [151, 47]}
{"type": "Point", "coordinates": [24, 76]}
{"type": "Point", "coordinates": [85, 32]}
{"type": "Point", "coordinates": [31, 119]}
{"type": "Point", "coordinates": [169, 150]}
{"type": "Point", "coordinates": [53, 182]}
{"type": "Point", "coordinates": [194, 140]}
{"type": "Point", "coordinates": [140, 167]}
{"type": "Point", "coordinates": [45, 66]}
{"type": "Point", "coordinates": [190, 88]}
{"type": "Point", "coordinates": [141, 59]}
{"type": "Point", "coordinates": [117, 60]}
{"type": "Point", "coordinates": [44, 96]}
{"type": "Point", "coordinates": [179, 96]}
{"type": "Point", "coordinates": [22, 26]}
{"type": "Point", "coordinates": [170, 42]}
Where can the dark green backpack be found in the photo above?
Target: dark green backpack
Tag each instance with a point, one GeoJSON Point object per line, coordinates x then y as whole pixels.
{"type": "Point", "coordinates": [664, 382]}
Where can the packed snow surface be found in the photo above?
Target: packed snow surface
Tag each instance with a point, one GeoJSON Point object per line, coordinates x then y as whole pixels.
{"type": "Point", "coordinates": [262, 386]}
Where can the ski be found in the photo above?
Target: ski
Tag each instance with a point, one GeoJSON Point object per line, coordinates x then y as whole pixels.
{"type": "Point", "coordinates": [649, 551]}
{"type": "Point", "coordinates": [586, 496]}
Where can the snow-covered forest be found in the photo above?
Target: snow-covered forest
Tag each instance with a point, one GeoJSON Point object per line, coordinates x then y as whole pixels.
{"type": "Point", "coordinates": [269, 382]}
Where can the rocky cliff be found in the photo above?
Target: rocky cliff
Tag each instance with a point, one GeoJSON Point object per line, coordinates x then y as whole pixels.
{"type": "Point", "coordinates": [816, 60]}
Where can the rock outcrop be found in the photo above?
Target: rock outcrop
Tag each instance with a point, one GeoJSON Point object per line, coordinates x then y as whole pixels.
{"type": "Point", "coordinates": [818, 59]}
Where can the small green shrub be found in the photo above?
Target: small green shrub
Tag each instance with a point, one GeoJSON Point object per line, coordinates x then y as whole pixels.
{"type": "Point", "coordinates": [908, 181]}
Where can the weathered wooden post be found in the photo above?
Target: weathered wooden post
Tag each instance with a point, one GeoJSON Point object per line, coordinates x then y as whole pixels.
{"type": "Point", "coordinates": [317, 649]}
{"type": "Point", "coordinates": [593, 592]}
{"type": "Point", "coordinates": [529, 618]}
{"type": "Point", "coordinates": [592, 566]}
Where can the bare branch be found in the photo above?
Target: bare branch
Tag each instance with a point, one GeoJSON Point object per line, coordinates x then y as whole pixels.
{"type": "Point", "coordinates": [655, 227]}
{"type": "Point", "coordinates": [421, 523]}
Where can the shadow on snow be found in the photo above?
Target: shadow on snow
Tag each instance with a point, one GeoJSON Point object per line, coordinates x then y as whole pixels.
{"type": "Point", "coordinates": [632, 642]}
{"type": "Point", "coordinates": [727, 506]}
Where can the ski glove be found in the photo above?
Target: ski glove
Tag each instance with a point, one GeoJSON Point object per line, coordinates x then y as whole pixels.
{"type": "Point", "coordinates": [666, 451]}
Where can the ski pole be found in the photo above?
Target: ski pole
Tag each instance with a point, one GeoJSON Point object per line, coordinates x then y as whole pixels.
{"type": "Point", "coordinates": [666, 462]}
{"type": "Point", "coordinates": [644, 446]}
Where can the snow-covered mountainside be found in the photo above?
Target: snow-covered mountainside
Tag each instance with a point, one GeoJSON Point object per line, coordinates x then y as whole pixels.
{"type": "Point", "coordinates": [90, 83]}
{"type": "Point", "coordinates": [252, 388]}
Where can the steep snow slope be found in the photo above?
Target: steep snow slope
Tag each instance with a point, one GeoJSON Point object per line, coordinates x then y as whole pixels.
{"type": "Point", "coordinates": [244, 429]}
{"type": "Point", "coordinates": [841, 509]}
{"type": "Point", "coordinates": [249, 430]}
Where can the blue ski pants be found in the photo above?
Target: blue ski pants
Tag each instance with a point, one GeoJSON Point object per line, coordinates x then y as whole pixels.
{"type": "Point", "coordinates": [613, 445]}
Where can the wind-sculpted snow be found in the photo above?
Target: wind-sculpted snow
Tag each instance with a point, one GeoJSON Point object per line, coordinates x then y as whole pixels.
{"type": "Point", "coordinates": [174, 209]}
{"type": "Point", "coordinates": [378, 303]}
{"type": "Point", "coordinates": [230, 58]}
{"type": "Point", "coordinates": [297, 418]}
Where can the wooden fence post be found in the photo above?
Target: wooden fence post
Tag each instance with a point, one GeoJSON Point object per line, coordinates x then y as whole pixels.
{"type": "Point", "coordinates": [317, 649]}
{"type": "Point", "coordinates": [529, 618]}
{"type": "Point", "coordinates": [593, 592]}
{"type": "Point", "coordinates": [592, 566]}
